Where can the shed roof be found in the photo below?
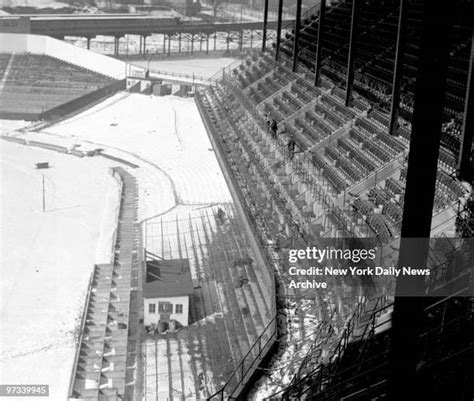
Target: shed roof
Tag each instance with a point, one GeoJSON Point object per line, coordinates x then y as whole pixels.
{"type": "Point", "coordinates": [168, 278]}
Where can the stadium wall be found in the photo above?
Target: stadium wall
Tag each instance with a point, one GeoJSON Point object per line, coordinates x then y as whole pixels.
{"type": "Point", "coordinates": [14, 115]}
{"type": "Point", "coordinates": [83, 101]}
{"type": "Point", "coordinates": [67, 108]}
{"type": "Point", "coordinates": [44, 45]}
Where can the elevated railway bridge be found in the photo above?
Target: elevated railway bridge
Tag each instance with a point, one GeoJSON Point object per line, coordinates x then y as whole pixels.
{"type": "Point", "coordinates": [89, 26]}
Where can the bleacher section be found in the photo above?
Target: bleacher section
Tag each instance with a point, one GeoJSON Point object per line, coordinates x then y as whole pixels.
{"type": "Point", "coordinates": [375, 57]}
{"type": "Point", "coordinates": [105, 363]}
{"type": "Point", "coordinates": [32, 84]}
{"type": "Point", "coordinates": [343, 152]}
{"type": "Point", "coordinates": [231, 311]}
{"type": "Point", "coordinates": [359, 366]}
{"type": "Point", "coordinates": [347, 175]}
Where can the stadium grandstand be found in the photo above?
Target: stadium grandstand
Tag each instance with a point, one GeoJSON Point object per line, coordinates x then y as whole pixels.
{"type": "Point", "coordinates": [352, 130]}
{"type": "Point", "coordinates": [346, 89]}
{"type": "Point", "coordinates": [53, 83]}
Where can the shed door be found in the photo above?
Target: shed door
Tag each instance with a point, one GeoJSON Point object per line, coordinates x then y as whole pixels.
{"type": "Point", "coordinates": [165, 309]}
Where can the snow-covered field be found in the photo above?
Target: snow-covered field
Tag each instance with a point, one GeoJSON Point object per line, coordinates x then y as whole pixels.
{"type": "Point", "coordinates": [33, 3]}
{"type": "Point", "coordinates": [47, 258]}
{"type": "Point", "coordinates": [164, 136]}
{"type": "Point", "coordinates": [7, 126]}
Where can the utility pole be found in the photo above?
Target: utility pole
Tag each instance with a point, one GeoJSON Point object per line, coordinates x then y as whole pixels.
{"type": "Point", "coordinates": [44, 197]}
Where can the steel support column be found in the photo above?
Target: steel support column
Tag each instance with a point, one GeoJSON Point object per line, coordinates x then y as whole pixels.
{"type": "Point", "coordinates": [207, 44]}
{"type": "Point", "coordinates": [169, 44]}
{"type": "Point", "coordinates": [408, 315]}
{"type": "Point", "coordinates": [352, 49]}
{"type": "Point", "coordinates": [297, 34]}
{"type": "Point", "coordinates": [215, 40]}
{"type": "Point", "coordinates": [144, 44]}
{"type": "Point", "coordinates": [179, 43]}
{"type": "Point", "coordinates": [465, 167]}
{"type": "Point", "coordinates": [398, 68]}
{"type": "Point", "coordinates": [265, 20]}
{"type": "Point", "coordinates": [319, 46]}
{"type": "Point", "coordinates": [117, 45]}
{"type": "Point", "coordinates": [278, 32]}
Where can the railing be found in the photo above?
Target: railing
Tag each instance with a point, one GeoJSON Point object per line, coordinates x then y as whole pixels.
{"type": "Point", "coordinates": [150, 256]}
{"type": "Point", "coordinates": [248, 364]}
{"type": "Point", "coordinates": [452, 268]}
{"type": "Point", "coordinates": [228, 69]}
{"type": "Point", "coordinates": [304, 15]}
{"type": "Point", "coordinates": [301, 385]}
{"type": "Point", "coordinates": [192, 77]}
{"type": "Point", "coordinates": [298, 383]}
{"type": "Point", "coordinates": [363, 366]}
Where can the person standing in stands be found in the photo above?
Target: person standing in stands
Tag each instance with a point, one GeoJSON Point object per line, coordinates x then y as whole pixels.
{"type": "Point", "coordinates": [291, 146]}
{"type": "Point", "coordinates": [274, 128]}
{"type": "Point", "coordinates": [267, 119]}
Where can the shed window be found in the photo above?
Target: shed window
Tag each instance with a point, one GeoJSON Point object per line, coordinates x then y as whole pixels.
{"type": "Point", "coordinates": [179, 308]}
{"type": "Point", "coordinates": [151, 308]}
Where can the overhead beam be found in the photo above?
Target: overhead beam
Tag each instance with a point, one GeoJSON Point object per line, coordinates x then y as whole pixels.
{"type": "Point", "coordinates": [297, 34]}
{"type": "Point", "coordinates": [430, 90]}
{"type": "Point", "coordinates": [352, 51]}
{"type": "Point", "coordinates": [319, 46]}
{"type": "Point", "coordinates": [465, 167]}
{"type": "Point", "coordinates": [265, 22]}
{"type": "Point", "coordinates": [398, 68]}
{"type": "Point", "coordinates": [278, 32]}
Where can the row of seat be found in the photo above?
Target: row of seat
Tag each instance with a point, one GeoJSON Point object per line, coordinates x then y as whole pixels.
{"type": "Point", "coordinates": [376, 52]}
{"type": "Point", "coordinates": [331, 173]}
{"type": "Point", "coordinates": [375, 221]}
